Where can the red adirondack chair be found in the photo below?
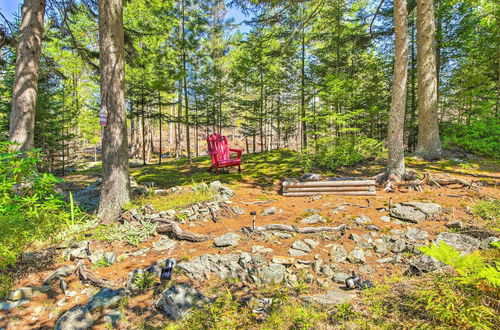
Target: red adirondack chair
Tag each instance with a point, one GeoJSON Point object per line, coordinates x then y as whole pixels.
{"type": "Point", "coordinates": [220, 152]}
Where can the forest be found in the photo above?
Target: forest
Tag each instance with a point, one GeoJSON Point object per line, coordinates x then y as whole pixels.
{"type": "Point", "coordinates": [105, 111]}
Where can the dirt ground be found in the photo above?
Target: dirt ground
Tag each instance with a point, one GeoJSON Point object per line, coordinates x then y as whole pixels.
{"type": "Point", "coordinates": [44, 309]}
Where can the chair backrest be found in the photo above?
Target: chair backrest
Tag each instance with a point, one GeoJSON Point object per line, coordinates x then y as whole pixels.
{"type": "Point", "coordinates": [217, 145]}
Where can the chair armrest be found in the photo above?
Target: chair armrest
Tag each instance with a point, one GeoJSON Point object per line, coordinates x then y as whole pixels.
{"type": "Point", "coordinates": [238, 151]}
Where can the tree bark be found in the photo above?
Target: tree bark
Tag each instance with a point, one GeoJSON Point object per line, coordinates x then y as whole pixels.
{"type": "Point", "coordinates": [22, 117]}
{"type": "Point", "coordinates": [428, 144]}
{"type": "Point", "coordinates": [115, 178]}
{"type": "Point", "coordinates": [395, 139]}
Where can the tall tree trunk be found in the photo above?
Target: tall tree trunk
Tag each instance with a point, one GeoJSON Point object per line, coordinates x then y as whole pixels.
{"type": "Point", "coordinates": [186, 100]}
{"type": "Point", "coordinates": [395, 139]}
{"type": "Point", "coordinates": [302, 92]}
{"type": "Point", "coordinates": [115, 177]}
{"type": "Point", "coordinates": [428, 144]}
{"type": "Point", "coordinates": [143, 126]}
{"type": "Point", "coordinates": [160, 126]}
{"type": "Point", "coordinates": [22, 117]}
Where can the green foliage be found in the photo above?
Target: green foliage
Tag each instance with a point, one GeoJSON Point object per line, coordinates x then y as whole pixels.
{"type": "Point", "coordinates": [30, 207]}
{"type": "Point", "coordinates": [145, 280]}
{"type": "Point", "coordinates": [479, 137]}
{"type": "Point", "coordinates": [101, 263]}
{"type": "Point", "coordinates": [174, 200]}
{"type": "Point", "coordinates": [489, 210]}
{"type": "Point", "coordinates": [472, 268]}
{"type": "Point", "coordinates": [332, 153]}
{"type": "Point", "coordinates": [133, 234]}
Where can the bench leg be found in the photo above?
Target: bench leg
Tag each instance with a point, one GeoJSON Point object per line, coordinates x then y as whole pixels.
{"type": "Point", "coordinates": [239, 168]}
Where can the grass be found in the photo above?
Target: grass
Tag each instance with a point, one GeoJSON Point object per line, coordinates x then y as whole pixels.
{"type": "Point", "coordinates": [175, 201]}
{"type": "Point", "coordinates": [262, 168]}
{"type": "Point", "coordinates": [489, 210]}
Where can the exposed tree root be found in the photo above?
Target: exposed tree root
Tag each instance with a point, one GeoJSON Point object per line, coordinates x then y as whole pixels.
{"type": "Point", "coordinates": [86, 275]}
{"type": "Point", "coordinates": [293, 229]}
{"type": "Point", "coordinates": [173, 228]}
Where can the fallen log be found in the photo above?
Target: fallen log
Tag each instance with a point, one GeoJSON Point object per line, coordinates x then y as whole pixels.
{"type": "Point", "coordinates": [294, 229]}
{"type": "Point", "coordinates": [343, 193]}
{"type": "Point", "coordinates": [171, 227]}
{"type": "Point", "coordinates": [321, 189]}
{"type": "Point", "coordinates": [350, 183]}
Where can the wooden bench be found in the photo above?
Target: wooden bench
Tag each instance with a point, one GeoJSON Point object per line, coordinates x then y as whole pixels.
{"type": "Point", "coordinates": [329, 187]}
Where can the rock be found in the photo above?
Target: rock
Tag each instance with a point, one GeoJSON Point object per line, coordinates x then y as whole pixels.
{"type": "Point", "coordinates": [385, 218]}
{"type": "Point", "coordinates": [460, 242]}
{"type": "Point", "coordinates": [373, 228]}
{"type": "Point", "coordinates": [362, 220]}
{"type": "Point", "coordinates": [21, 293]}
{"type": "Point", "coordinates": [312, 211]}
{"type": "Point", "coordinates": [224, 266]}
{"type": "Point", "coordinates": [398, 246]}
{"type": "Point", "coordinates": [315, 218]}
{"type": "Point", "coordinates": [106, 298]}
{"type": "Point", "coordinates": [80, 250]}
{"type": "Point", "coordinates": [283, 260]}
{"type": "Point", "coordinates": [215, 186]}
{"type": "Point", "coordinates": [96, 256]}
{"type": "Point", "coordinates": [109, 257]}
{"type": "Point", "coordinates": [332, 297]}
{"type": "Point", "coordinates": [238, 210]}
{"type": "Point", "coordinates": [454, 224]}
{"type": "Point", "coordinates": [6, 305]}
{"type": "Point", "coordinates": [487, 243]}
{"type": "Point", "coordinates": [245, 260]}
{"type": "Point", "coordinates": [366, 269]}
{"type": "Point", "coordinates": [88, 199]}
{"type": "Point", "coordinates": [327, 271]}
{"type": "Point", "coordinates": [258, 259]}
{"type": "Point", "coordinates": [340, 278]}
{"type": "Point", "coordinates": [415, 212]}
{"type": "Point", "coordinates": [356, 256]}
{"type": "Point", "coordinates": [164, 243]}
{"type": "Point", "coordinates": [61, 272]}
{"type": "Point", "coordinates": [312, 243]}
{"type": "Point", "coordinates": [229, 239]}
{"type": "Point", "coordinates": [178, 300]}
{"type": "Point", "coordinates": [273, 273]}
{"type": "Point", "coordinates": [429, 209]}
{"type": "Point", "coordinates": [415, 234]}
{"type": "Point", "coordinates": [407, 213]}
{"type": "Point", "coordinates": [112, 317]}
{"type": "Point", "coordinates": [76, 318]}
{"type": "Point", "coordinates": [296, 253]}
{"type": "Point", "coordinates": [269, 211]}
{"type": "Point", "coordinates": [299, 245]}
{"type": "Point", "coordinates": [338, 253]}
{"type": "Point", "coordinates": [381, 246]}
{"type": "Point", "coordinates": [423, 264]}
{"type": "Point", "coordinates": [317, 265]}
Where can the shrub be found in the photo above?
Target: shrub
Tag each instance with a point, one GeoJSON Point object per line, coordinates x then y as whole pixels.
{"type": "Point", "coordinates": [332, 153]}
{"type": "Point", "coordinates": [489, 210]}
{"type": "Point", "coordinates": [30, 207]}
{"type": "Point", "coordinates": [480, 137]}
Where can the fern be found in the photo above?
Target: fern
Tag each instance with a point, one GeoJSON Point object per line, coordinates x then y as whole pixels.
{"type": "Point", "coordinates": [472, 267]}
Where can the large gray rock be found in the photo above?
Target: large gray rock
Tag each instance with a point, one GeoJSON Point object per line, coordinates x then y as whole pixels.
{"type": "Point", "coordinates": [296, 253]}
{"type": "Point", "coordinates": [106, 298]}
{"type": "Point", "coordinates": [460, 242]}
{"type": "Point", "coordinates": [312, 219]}
{"type": "Point", "coordinates": [76, 318]}
{"type": "Point", "coordinates": [424, 264]}
{"type": "Point", "coordinates": [223, 266]}
{"type": "Point", "coordinates": [274, 273]}
{"type": "Point", "coordinates": [6, 305]}
{"type": "Point", "coordinates": [178, 300]}
{"type": "Point", "coordinates": [338, 253]}
{"type": "Point", "coordinates": [381, 246]}
{"type": "Point", "coordinates": [299, 245]}
{"type": "Point", "coordinates": [238, 210]}
{"type": "Point", "coordinates": [269, 211]}
{"type": "Point", "coordinates": [414, 234]}
{"type": "Point", "coordinates": [356, 256]}
{"type": "Point", "coordinates": [362, 220]}
{"type": "Point", "coordinates": [415, 212]}
{"type": "Point", "coordinates": [229, 239]}
{"type": "Point", "coordinates": [340, 278]}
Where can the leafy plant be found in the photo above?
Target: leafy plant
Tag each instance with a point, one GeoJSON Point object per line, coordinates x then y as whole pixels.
{"type": "Point", "coordinates": [133, 234]}
{"type": "Point", "coordinates": [30, 207]}
{"type": "Point", "coordinates": [488, 210]}
{"type": "Point", "coordinates": [145, 280]}
{"type": "Point", "coordinates": [472, 267]}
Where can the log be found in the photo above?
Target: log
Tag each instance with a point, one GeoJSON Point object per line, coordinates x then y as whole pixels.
{"type": "Point", "coordinates": [350, 183]}
{"type": "Point", "coordinates": [345, 193]}
{"type": "Point", "coordinates": [295, 229]}
{"type": "Point", "coordinates": [173, 228]}
{"type": "Point", "coordinates": [319, 189]}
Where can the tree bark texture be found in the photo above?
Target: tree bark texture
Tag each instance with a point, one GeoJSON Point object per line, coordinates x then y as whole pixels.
{"type": "Point", "coordinates": [116, 181]}
{"type": "Point", "coordinates": [395, 139]}
{"type": "Point", "coordinates": [428, 144]}
{"type": "Point", "coordinates": [22, 117]}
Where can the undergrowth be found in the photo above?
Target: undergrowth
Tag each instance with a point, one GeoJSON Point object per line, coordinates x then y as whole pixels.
{"type": "Point", "coordinates": [175, 200]}
{"type": "Point", "coordinates": [488, 210]}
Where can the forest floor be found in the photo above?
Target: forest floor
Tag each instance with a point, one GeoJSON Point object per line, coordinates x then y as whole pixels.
{"type": "Point", "coordinates": [256, 189]}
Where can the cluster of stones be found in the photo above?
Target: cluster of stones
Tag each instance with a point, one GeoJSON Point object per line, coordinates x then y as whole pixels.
{"type": "Point", "coordinates": [204, 211]}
